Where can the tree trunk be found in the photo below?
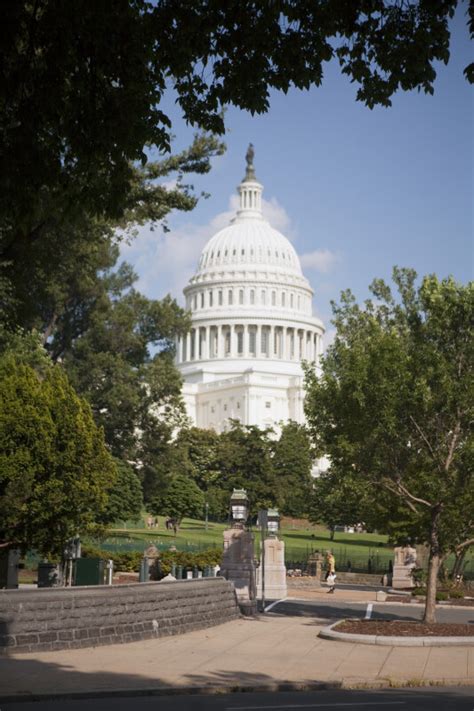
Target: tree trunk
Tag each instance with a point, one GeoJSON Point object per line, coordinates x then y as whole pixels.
{"type": "Point", "coordinates": [433, 569]}
{"type": "Point", "coordinates": [459, 562]}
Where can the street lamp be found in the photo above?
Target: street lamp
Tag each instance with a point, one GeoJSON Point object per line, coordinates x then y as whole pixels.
{"type": "Point", "coordinates": [239, 507]}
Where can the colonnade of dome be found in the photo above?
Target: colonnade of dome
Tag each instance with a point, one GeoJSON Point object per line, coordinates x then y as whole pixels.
{"type": "Point", "coordinates": [244, 340]}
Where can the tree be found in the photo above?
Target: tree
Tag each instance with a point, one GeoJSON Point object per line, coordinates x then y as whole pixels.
{"type": "Point", "coordinates": [53, 276]}
{"type": "Point", "coordinates": [245, 461]}
{"type": "Point", "coordinates": [394, 405]}
{"type": "Point", "coordinates": [292, 462]}
{"type": "Point", "coordinates": [340, 500]}
{"type": "Point", "coordinates": [125, 497]}
{"type": "Point", "coordinates": [55, 470]}
{"type": "Point", "coordinates": [130, 390]}
{"type": "Point", "coordinates": [182, 498]}
{"type": "Point", "coordinates": [82, 90]}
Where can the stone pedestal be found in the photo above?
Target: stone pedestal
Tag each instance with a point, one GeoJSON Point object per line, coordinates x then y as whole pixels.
{"type": "Point", "coordinates": [238, 563]}
{"type": "Point", "coordinates": [275, 571]}
{"type": "Point", "coordinates": [315, 566]}
{"type": "Point", "coordinates": [405, 561]}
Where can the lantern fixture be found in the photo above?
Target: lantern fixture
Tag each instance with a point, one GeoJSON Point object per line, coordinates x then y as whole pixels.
{"type": "Point", "coordinates": [239, 506]}
{"type": "Point", "coordinates": [273, 521]}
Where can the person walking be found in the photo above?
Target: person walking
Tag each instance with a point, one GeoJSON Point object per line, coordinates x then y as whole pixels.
{"type": "Point", "coordinates": [330, 571]}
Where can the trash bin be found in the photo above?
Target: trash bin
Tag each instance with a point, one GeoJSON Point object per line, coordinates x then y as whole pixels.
{"type": "Point", "coordinates": [89, 571]}
{"type": "Point", "coordinates": [9, 566]}
{"type": "Point", "coordinates": [49, 575]}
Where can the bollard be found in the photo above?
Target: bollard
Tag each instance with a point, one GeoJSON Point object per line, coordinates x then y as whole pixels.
{"type": "Point", "coordinates": [173, 570]}
{"type": "Point", "coordinates": [179, 572]}
{"type": "Point", "coordinates": [144, 571]}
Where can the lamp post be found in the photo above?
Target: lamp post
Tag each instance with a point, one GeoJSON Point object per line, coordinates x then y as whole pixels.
{"type": "Point", "coordinates": [238, 559]}
{"type": "Point", "coordinates": [272, 571]}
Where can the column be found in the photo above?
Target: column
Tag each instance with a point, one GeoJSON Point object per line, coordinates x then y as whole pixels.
{"type": "Point", "coordinates": [180, 349]}
{"type": "Point", "coordinates": [188, 346]}
{"type": "Point", "coordinates": [245, 341]}
{"type": "Point", "coordinates": [258, 342]}
{"type": "Point", "coordinates": [206, 350]}
{"type": "Point", "coordinates": [271, 345]}
{"type": "Point", "coordinates": [283, 343]}
{"type": "Point", "coordinates": [219, 348]}
{"type": "Point", "coordinates": [196, 344]}
{"type": "Point", "coordinates": [233, 342]}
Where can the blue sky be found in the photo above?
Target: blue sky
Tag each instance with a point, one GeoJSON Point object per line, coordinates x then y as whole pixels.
{"type": "Point", "coordinates": [357, 191]}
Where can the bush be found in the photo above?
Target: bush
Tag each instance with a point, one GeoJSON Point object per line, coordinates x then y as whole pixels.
{"type": "Point", "coordinates": [441, 596]}
{"type": "Point", "coordinates": [130, 561]}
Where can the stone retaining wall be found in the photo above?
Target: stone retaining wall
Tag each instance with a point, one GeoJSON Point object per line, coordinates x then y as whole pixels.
{"type": "Point", "coordinates": [50, 619]}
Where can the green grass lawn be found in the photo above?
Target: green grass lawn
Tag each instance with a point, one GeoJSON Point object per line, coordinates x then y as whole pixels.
{"type": "Point", "coordinates": [299, 542]}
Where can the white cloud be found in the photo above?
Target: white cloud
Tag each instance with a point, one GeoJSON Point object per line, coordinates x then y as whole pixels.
{"type": "Point", "coordinates": [165, 261]}
{"type": "Point", "coordinates": [321, 260]}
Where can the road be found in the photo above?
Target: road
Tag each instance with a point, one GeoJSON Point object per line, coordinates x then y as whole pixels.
{"type": "Point", "coordinates": [329, 609]}
{"type": "Point", "coordinates": [446, 699]}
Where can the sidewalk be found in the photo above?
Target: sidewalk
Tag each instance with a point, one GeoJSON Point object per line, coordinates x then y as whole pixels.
{"type": "Point", "coordinates": [251, 653]}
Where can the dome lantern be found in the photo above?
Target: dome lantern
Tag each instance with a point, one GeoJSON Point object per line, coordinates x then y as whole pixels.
{"type": "Point", "coordinates": [250, 191]}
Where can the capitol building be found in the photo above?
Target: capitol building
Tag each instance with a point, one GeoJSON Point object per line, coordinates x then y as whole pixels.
{"type": "Point", "coordinates": [252, 323]}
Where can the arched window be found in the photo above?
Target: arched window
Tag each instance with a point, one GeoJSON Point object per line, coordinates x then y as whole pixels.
{"type": "Point", "coordinates": [299, 301]}
{"type": "Point", "coordinates": [202, 299]}
{"type": "Point", "coordinates": [292, 300]}
{"type": "Point", "coordinates": [252, 296]}
{"type": "Point", "coordinates": [283, 298]}
{"type": "Point", "coordinates": [263, 296]}
{"type": "Point", "coordinates": [230, 298]}
{"type": "Point", "coordinates": [274, 298]}
{"type": "Point", "coordinates": [195, 302]}
{"type": "Point", "coordinates": [241, 296]}
{"type": "Point", "coordinates": [219, 297]}
{"type": "Point", "coordinates": [210, 298]}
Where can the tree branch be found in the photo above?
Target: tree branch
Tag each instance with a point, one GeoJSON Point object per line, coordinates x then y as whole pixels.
{"type": "Point", "coordinates": [452, 446]}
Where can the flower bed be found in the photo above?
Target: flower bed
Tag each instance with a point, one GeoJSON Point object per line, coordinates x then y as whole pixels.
{"type": "Point", "coordinates": [402, 628]}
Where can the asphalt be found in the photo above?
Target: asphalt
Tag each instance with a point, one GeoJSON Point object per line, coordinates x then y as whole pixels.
{"type": "Point", "coordinates": [272, 651]}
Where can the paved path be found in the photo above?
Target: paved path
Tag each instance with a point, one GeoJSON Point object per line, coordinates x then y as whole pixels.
{"type": "Point", "coordinates": [249, 652]}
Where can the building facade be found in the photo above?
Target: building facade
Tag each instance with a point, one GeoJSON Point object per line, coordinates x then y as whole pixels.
{"type": "Point", "coordinates": [252, 323]}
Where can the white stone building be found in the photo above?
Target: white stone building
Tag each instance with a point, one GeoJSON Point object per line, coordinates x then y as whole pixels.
{"type": "Point", "coordinates": [252, 323]}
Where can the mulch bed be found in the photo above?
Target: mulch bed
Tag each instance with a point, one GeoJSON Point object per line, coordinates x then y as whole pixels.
{"type": "Point", "coordinates": [401, 628]}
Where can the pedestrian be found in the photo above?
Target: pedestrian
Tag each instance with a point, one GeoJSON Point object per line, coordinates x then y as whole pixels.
{"type": "Point", "coordinates": [330, 571]}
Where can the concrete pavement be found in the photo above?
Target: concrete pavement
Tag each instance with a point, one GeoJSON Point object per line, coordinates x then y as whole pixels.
{"type": "Point", "coordinates": [253, 653]}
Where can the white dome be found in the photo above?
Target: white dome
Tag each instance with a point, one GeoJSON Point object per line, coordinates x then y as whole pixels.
{"type": "Point", "coordinates": [249, 243]}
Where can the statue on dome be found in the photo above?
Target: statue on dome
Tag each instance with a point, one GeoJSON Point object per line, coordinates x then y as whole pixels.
{"type": "Point", "coordinates": [249, 156]}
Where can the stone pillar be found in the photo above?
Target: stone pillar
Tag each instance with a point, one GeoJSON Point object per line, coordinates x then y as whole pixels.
{"type": "Point", "coordinates": [283, 343]}
{"type": "Point", "coordinates": [258, 342]}
{"type": "Point", "coordinates": [275, 570]}
{"type": "Point", "coordinates": [233, 342]}
{"type": "Point", "coordinates": [220, 345]}
{"type": "Point", "coordinates": [206, 350]}
{"type": "Point", "coordinates": [405, 561]}
{"type": "Point", "coordinates": [271, 342]}
{"type": "Point", "coordinates": [245, 341]}
{"type": "Point", "coordinates": [238, 566]}
{"type": "Point", "coordinates": [188, 346]}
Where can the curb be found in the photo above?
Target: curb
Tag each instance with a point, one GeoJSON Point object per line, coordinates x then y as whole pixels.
{"type": "Point", "coordinates": [330, 633]}
{"type": "Point", "coordinates": [214, 690]}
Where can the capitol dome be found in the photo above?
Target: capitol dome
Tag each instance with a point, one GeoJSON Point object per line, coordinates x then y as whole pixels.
{"type": "Point", "coordinates": [252, 322]}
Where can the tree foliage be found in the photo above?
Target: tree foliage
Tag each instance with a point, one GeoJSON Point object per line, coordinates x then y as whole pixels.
{"type": "Point", "coordinates": [125, 497]}
{"type": "Point", "coordinates": [54, 467]}
{"type": "Point", "coordinates": [81, 101]}
{"type": "Point", "coordinates": [292, 460]}
{"type": "Point", "coordinates": [394, 406]}
{"type": "Point", "coordinates": [182, 497]}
